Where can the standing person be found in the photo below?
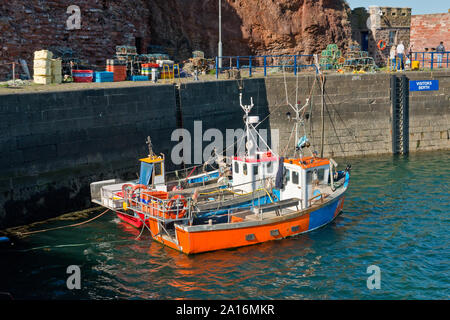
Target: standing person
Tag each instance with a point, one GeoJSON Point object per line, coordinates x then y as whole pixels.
{"type": "Point", "coordinates": [195, 74]}
{"type": "Point", "coordinates": [392, 54]}
{"type": "Point", "coordinates": [440, 53]}
{"type": "Point", "coordinates": [401, 56]}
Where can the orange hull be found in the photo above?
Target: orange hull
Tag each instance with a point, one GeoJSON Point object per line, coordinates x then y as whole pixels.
{"type": "Point", "coordinates": [196, 242]}
{"type": "Point", "coordinates": [239, 235]}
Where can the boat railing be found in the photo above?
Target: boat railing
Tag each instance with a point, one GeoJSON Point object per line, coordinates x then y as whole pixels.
{"type": "Point", "coordinates": [319, 197]}
{"type": "Point", "coordinates": [166, 210]}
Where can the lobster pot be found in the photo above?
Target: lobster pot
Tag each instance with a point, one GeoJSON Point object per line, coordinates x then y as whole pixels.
{"type": "Point", "coordinates": [126, 50]}
{"type": "Point", "coordinates": [163, 62]}
{"type": "Point", "coordinates": [198, 54]}
{"type": "Point", "coordinates": [42, 79]}
{"type": "Point", "coordinates": [116, 62]}
{"type": "Point", "coordinates": [82, 75]}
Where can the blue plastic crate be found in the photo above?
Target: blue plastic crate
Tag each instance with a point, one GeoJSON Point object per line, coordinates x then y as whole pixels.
{"type": "Point", "coordinates": [104, 80]}
{"type": "Point", "coordinates": [139, 78]}
{"type": "Point", "coordinates": [103, 76]}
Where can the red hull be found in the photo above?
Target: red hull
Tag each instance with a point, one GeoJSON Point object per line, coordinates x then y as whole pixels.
{"type": "Point", "coordinates": [135, 222]}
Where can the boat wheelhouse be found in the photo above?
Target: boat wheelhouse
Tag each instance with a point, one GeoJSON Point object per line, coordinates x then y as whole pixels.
{"type": "Point", "coordinates": [268, 198]}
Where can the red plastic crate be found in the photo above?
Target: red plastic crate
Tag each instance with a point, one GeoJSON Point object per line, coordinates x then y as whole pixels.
{"type": "Point", "coordinates": [82, 75]}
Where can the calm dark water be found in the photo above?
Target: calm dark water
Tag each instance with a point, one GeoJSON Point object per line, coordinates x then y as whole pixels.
{"type": "Point", "coordinates": [396, 216]}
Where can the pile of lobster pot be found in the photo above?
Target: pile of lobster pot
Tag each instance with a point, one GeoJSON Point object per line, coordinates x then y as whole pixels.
{"type": "Point", "coordinates": [46, 70]}
{"type": "Point", "coordinates": [164, 62]}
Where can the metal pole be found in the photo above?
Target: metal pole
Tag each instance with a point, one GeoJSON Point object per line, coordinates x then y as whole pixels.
{"type": "Point", "coordinates": [323, 109]}
{"type": "Point", "coordinates": [295, 65]}
{"type": "Point", "coordinates": [265, 66]}
{"type": "Point", "coordinates": [220, 35]}
{"type": "Point", "coordinates": [217, 68]}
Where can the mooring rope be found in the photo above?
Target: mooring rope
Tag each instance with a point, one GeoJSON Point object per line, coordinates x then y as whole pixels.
{"type": "Point", "coordinates": [61, 227]}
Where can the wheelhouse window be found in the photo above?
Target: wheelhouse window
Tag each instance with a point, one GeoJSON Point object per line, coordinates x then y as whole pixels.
{"type": "Point", "coordinates": [392, 37]}
{"type": "Point", "coordinates": [269, 167]}
{"type": "Point", "coordinates": [255, 170]}
{"type": "Point", "coordinates": [288, 175]}
{"type": "Point", "coordinates": [308, 177]}
{"type": "Point", "coordinates": [244, 169]}
{"type": "Point", "coordinates": [295, 177]}
{"type": "Point", "coordinates": [236, 167]}
{"type": "Point", "coordinates": [321, 175]}
{"type": "Point", "coordinates": [158, 169]}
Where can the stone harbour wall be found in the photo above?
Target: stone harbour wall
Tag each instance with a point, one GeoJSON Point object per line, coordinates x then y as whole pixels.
{"type": "Point", "coordinates": [54, 144]}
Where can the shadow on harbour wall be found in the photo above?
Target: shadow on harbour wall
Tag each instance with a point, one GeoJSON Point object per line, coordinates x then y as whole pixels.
{"type": "Point", "coordinates": [54, 144]}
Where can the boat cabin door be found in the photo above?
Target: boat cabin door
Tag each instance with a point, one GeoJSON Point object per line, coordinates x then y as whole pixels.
{"type": "Point", "coordinates": [152, 172]}
{"type": "Point", "coordinates": [316, 180]}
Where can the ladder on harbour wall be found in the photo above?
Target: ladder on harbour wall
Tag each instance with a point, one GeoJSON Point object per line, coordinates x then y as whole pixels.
{"type": "Point", "coordinates": [400, 114]}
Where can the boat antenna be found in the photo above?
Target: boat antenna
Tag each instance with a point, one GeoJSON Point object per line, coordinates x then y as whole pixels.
{"type": "Point", "coordinates": [150, 147]}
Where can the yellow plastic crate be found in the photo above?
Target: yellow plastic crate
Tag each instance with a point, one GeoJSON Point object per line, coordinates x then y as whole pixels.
{"type": "Point", "coordinates": [43, 54]}
{"type": "Point", "coordinates": [43, 71]}
{"type": "Point", "coordinates": [42, 79]}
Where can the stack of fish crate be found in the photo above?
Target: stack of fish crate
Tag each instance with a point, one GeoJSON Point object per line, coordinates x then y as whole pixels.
{"type": "Point", "coordinates": [118, 67]}
{"type": "Point", "coordinates": [56, 71]}
{"type": "Point", "coordinates": [42, 67]}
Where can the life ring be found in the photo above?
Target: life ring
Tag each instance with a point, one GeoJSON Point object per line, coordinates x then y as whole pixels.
{"type": "Point", "coordinates": [172, 207]}
{"type": "Point", "coordinates": [130, 192]}
{"type": "Point", "coordinates": [381, 44]}
{"type": "Point", "coordinates": [177, 187]}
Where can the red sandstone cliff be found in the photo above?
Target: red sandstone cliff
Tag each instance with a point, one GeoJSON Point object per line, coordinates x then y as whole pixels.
{"type": "Point", "coordinates": [248, 26]}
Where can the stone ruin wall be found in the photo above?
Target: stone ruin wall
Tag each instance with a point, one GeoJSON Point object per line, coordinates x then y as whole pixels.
{"type": "Point", "coordinates": [249, 27]}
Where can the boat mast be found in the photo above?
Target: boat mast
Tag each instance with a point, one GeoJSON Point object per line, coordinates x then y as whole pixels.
{"type": "Point", "coordinates": [251, 140]}
{"type": "Point", "coordinates": [322, 80]}
{"type": "Point", "coordinates": [322, 87]}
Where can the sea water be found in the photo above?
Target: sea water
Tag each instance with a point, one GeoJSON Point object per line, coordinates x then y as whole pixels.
{"type": "Point", "coordinates": [395, 217]}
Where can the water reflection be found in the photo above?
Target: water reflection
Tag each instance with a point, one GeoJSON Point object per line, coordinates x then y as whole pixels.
{"type": "Point", "coordinates": [395, 216]}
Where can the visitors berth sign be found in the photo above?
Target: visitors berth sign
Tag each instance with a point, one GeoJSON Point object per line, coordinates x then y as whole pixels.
{"type": "Point", "coordinates": [423, 85]}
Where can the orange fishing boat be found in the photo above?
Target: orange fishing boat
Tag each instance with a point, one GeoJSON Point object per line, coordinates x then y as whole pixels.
{"type": "Point", "coordinates": [268, 197]}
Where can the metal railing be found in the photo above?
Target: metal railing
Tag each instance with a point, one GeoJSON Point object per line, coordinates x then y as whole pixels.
{"type": "Point", "coordinates": [291, 63]}
{"type": "Point", "coordinates": [165, 210]}
{"type": "Point", "coordinates": [431, 59]}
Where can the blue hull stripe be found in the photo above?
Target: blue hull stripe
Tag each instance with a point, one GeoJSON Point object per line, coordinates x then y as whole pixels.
{"type": "Point", "coordinates": [323, 216]}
